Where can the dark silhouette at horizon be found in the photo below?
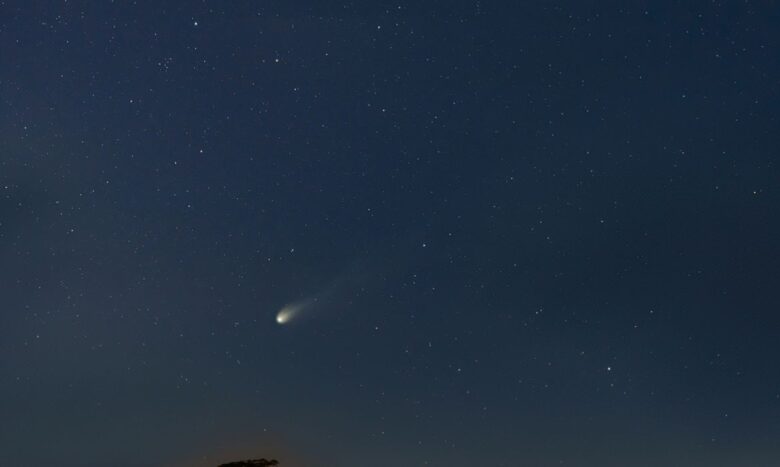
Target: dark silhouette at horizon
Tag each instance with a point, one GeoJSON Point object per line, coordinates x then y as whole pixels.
{"type": "Point", "coordinates": [252, 463]}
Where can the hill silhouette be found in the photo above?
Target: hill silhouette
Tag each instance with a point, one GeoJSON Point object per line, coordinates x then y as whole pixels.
{"type": "Point", "coordinates": [252, 463]}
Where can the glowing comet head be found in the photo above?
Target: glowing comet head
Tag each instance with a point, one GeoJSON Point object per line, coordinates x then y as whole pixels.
{"type": "Point", "coordinates": [292, 310]}
{"type": "Point", "coordinates": [283, 316]}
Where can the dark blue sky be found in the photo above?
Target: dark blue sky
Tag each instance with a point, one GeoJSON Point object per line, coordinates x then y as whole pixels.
{"type": "Point", "coordinates": [518, 233]}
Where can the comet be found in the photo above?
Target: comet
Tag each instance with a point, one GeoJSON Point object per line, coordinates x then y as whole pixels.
{"type": "Point", "coordinates": [326, 299]}
{"type": "Point", "coordinates": [291, 311]}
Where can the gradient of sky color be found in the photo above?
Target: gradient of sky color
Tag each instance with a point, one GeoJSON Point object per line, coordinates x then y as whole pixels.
{"type": "Point", "coordinates": [521, 233]}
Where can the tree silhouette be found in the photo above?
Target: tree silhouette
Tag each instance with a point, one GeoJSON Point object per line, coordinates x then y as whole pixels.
{"type": "Point", "coordinates": [252, 463]}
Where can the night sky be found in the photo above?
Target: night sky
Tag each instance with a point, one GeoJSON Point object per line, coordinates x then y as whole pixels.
{"type": "Point", "coordinates": [374, 234]}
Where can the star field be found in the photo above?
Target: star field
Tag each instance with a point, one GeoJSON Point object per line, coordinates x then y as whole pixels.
{"type": "Point", "coordinates": [354, 234]}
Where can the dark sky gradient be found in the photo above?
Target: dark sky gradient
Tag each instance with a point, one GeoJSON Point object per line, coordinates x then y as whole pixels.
{"type": "Point", "coordinates": [532, 233]}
